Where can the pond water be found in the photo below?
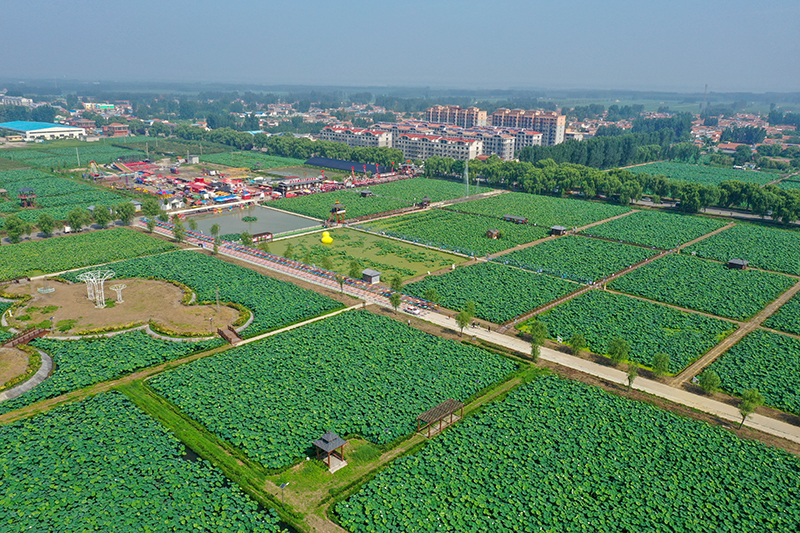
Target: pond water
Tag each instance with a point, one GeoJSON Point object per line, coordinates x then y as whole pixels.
{"type": "Point", "coordinates": [267, 220]}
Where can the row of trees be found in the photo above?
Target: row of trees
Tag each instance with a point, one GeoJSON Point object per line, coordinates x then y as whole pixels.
{"type": "Point", "coordinates": [745, 134]}
{"type": "Point", "coordinates": [11, 113]}
{"type": "Point", "coordinates": [124, 212]}
{"type": "Point", "coordinates": [622, 186]}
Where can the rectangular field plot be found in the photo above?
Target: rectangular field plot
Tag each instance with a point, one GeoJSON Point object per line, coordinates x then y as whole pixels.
{"type": "Point", "coordinates": [457, 232]}
{"type": "Point", "coordinates": [499, 292]}
{"type": "Point", "coordinates": [557, 455]}
{"type": "Point", "coordinates": [46, 157]}
{"type": "Point", "coordinates": [580, 259]}
{"type": "Point", "coordinates": [413, 190]}
{"type": "Point", "coordinates": [74, 251]}
{"type": "Point", "coordinates": [103, 465]}
{"type": "Point", "coordinates": [542, 210]}
{"type": "Point", "coordinates": [387, 256]}
{"type": "Point", "coordinates": [355, 373]}
{"type": "Point", "coordinates": [765, 361]}
{"type": "Point", "coordinates": [703, 175]}
{"type": "Point", "coordinates": [648, 327]}
{"type": "Point", "coordinates": [656, 229]}
{"type": "Point", "coordinates": [80, 363]}
{"type": "Point", "coordinates": [704, 285]}
{"type": "Point", "coordinates": [319, 205]}
{"type": "Point", "coordinates": [767, 248]}
{"type": "Point", "coordinates": [274, 303]}
{"type": "Point", "coordinates": [787, 318]}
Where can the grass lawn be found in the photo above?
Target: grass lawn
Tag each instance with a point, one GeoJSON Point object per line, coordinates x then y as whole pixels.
{"type": "Point", "coordinates": [388, 256]}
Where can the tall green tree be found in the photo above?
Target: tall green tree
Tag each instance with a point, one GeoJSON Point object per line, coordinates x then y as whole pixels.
{"type": "Point", "coordinates": [125, 212]}
{"type": "Point", "coordinates": [538, 333]}
{"type": "Point", "coordinates": [151, 225]}
{"type": "Point", "coordinates": [16, 227]}
{"type": "Point", "coordinates": [577, 343]}
{"type": "Point", "coordinates": [394, 299]}
{"type": "Point", "coordinates": [751, 400]}
{"type": "Point", "coordinates": [463, 319]}
{"type": "Point", "coordinates": [192, 224]}
{"type": "Point", "coordinates": [178, 231]}
{"type": "Point", "coordinates": [78, 218]}
{"type": "Point", "coordinates": [396, 283]}
{"type": "Point", "coordinates": [46, 224]}
{"type": "Point", "coordinates": [661, 364]}
{"type": "Point", "coordinates": [246, 238]}
{"type": "Point", "coordinates": [215, 230]}
{"type": "Point", "coordinates": [102, 216]}
{"type": "Point", "coordinates": [618, 350]}
{"type": "Point", "coordinates": [709, 381]}
{"type": "Point", "coordinates": [633, 371]}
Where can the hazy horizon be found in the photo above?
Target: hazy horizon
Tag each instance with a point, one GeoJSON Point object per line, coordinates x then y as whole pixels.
{"type": "Point", "coordinates": [620, 45]}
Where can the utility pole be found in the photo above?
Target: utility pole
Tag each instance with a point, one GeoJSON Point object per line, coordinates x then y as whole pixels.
{"type": "Point", "coordinates": [466, 177]}
{"type": "Point", "coordinates": [78, 156]}
{"type": "Point", "coordinates": [217, 288]}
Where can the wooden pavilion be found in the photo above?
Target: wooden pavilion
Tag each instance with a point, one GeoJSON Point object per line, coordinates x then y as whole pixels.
{"type": "Point", "coordinates": [330, 449]}
{"type": "Point", "coordinates": [337, 212]}
{"type": "Point", "coordinates": [436, 415]}
{"type": "Point", "coordinates": [27, 197]}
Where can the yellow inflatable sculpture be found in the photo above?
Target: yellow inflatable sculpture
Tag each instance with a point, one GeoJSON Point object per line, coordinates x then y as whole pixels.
{"type": "Point", "coordinates": [326, 237]}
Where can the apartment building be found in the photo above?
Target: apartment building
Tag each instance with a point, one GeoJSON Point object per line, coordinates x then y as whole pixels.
{"type": "Point", "coordinates": [416, 146]}
{"type": "Point", "coordinates": [354, 137]}
{"type": "Point", "coordinates": [549, 123]}
{"type": "Point", "coordinates": [470, 117]}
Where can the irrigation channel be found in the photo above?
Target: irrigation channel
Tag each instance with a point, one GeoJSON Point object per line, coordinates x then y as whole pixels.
{"type": "Point", "coordinates": [313, 274]}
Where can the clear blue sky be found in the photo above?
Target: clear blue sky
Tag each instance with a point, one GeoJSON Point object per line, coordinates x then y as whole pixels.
{"type": "Point", "coordinates": [631, 44]}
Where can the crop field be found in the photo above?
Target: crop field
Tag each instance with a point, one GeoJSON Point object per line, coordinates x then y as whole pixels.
{"type": "Point", "coordinates": [80, 363]}
{"type": "Point", "coordinates": [354, 373]}
{"type": "Point", "coordinates": [76, 251]}
{"type": "Point", "coordinates": [544, 211]}
{"type": "Point", "coordinates": [703, 175]}
{"type": "Point", "coordinates": [648, 327]}
{"type": "Point", "coordinates": [8, 164]}
{"type": "Point", "coordinates": [47, 157]}
{"type": "Point", "coordinates": [656, 228]}
{"type": "Point", "coordinates": [787, 318]}
{"type": "Point", "coordinates": [456, 232]}
{"type": "Point", "coordinates": [767, 248]}
{"type": "Point", "coordinates": [178, 147]}
{"type": "Point", "coordinates": [103, 465]}
{"type": "Point", "coordinates": [789, 184]}
{"type": "Point", "coordinates": [319, 205]}
{"type": "Point", "coordinates": [557, 455]}
{"type": "Point", "coordinates": [274, 303]}
{"type": "Point", "coordinates": [499, 292]}
{"type": "Point", "coordinates": [704, 285]}
{"type": "Point", "coordinates": [387, 256]}
{"type": "Point", "coordinates": [578, 259]}
{"type": "Point", "coordinates": [413, 190]}
{"type": "Point", "coordinates": [765, 361]}
{"type": "Point", "coordinates": [55, 196]}
{"type": "Point", "coordinates": [254, 160]}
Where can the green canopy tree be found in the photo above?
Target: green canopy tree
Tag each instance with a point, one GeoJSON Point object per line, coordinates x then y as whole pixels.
{"type": "Point", "coordinates": [577, 343]}
{"type": "Point", "coordinates": [463, 319]}
{"type": "Point", "coordinates": [661, 364]}
{"type": "Point", "coordinates": [394, 299]}
{"type": "Point", "coordinates": [125, 212]}
{"type": "Point", "coordinates": [78, 218]}
{"type": "Point", "coordinates": [16, 227]}
{"type": "Point", "coordinates": [751, 400]}
{"type": "Point", "coordinates": [709, 381]}
{"type": "Point", "coordinates": [538, 332]}
{"type": "Point", "coordinates": [102, 216]}
{"type": "Point", "coordinates": [618, 350]}
{"type": "Point", "coordinates": [46, 224]}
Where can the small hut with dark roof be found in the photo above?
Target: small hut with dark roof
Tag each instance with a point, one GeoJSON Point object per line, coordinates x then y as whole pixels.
{"type": "Point", "coordinates": [330, 450]}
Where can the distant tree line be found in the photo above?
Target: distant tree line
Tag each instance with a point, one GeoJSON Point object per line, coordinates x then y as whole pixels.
{"type": "Point", "coordinates": [778, 117]}
{"type": "Point", "coordinates": [745, 134]}
{"type": "Point", "coordinates": [622, 186]}
{"type": "Point", "coordinates": [11, 113]}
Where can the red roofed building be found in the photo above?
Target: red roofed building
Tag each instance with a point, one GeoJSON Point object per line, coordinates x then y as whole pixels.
{"type": "Point", "coordinates": [116, 130]}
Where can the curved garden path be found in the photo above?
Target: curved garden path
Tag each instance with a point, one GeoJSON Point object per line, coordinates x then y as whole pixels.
{"type": "Point", "coordinates": [43, 373]}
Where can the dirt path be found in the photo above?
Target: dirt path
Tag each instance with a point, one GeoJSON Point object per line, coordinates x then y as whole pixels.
{"type": "Point", "coordinates": [679, 308]}
{"type": "Point", "coordinates": [754, 323]}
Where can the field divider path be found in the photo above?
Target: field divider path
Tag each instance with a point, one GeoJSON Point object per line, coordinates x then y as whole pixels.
{"type": "Point", "coordinates": [614, 375]}
{"type": "Point", "coordinates": [729, 225]}
{"type": "Point", "coordinates": [600, 285]}
{"type": "Point", "coordinates": [678, 307]}
{"type": "Point", "coordinates": [753, 324]}
{"type": "Point", "coordinates": [552, 237]}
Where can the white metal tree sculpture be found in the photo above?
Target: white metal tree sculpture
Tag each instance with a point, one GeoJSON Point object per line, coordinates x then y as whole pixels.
{"type": "Point", "coordinates": [95, 282]}
{"type": "Point", "coordinates": [118, 289]}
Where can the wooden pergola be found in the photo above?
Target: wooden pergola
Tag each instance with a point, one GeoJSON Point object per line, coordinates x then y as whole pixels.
{"type": "Point", "coordinates": [328, 445]}
{"type": "Point", "coordinates": [437, 414]}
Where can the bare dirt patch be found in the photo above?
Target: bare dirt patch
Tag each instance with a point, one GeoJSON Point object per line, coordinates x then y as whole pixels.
{"type": "Point", "coordinates": [144, 300]}
{"type": "Point", "coordinates": [13, 363]}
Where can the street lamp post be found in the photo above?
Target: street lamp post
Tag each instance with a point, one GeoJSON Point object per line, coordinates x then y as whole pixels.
{"type": "Point", "coordinates": [283, 494]}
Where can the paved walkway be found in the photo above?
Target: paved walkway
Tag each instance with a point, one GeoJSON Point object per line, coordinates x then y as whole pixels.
{"type": "Point", "coordinates": [40, 375]}
{"type": "Point", "coordinates": [702, 403]}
